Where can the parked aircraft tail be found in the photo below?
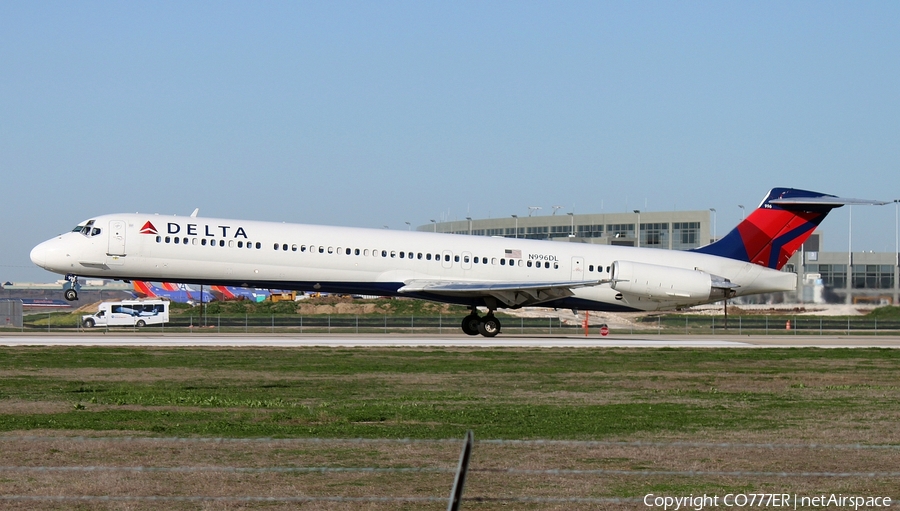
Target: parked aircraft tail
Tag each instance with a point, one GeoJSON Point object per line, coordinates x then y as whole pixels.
{"type": "Point", "coordinates": [775, 230]}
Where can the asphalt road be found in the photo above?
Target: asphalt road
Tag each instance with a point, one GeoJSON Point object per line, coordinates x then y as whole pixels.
{"type": "Point", "coordinates": [443, 341]}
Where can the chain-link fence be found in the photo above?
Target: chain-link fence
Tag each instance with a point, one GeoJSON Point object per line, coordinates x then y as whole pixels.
{"type": "Point", "coordinates": [443, 324]}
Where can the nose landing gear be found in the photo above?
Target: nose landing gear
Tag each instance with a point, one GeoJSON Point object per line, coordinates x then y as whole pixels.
{"type": "Point", "coordinates": [488, 326]}
{"type": "Point", "coordinates": [71, 287]}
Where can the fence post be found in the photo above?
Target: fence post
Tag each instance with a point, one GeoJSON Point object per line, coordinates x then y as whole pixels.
{"type": "Point", "coordinates": [219, 322]}
{"type": "Point", "coordinates": [658, 325]}
{"type": "Point", "coordinates": [460, 480]}
{"type": "Point", "coordinates": [357, 323]}
{"type": "Point", "coordinates": [848, 325]}
{"type": "Point", "coordinates": [740, 325]}
{"type": "Point", "coordinates": [246, 326]}
{"type": "Point", "coordinates": [329, 323]}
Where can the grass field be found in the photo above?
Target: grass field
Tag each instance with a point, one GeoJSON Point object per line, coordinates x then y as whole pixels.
{"type": "Point", "coordinates": [660, 413]}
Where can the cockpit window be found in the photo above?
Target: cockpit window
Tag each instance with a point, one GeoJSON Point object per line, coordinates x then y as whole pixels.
{"type": "Point", "coordinates": [86, 228]}
{"type": "Point", "coordinates": [95, 231]}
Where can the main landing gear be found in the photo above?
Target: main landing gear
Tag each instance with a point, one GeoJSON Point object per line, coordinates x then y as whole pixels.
{"type": "Point", "coordinates": [71, 287]}
{"type": "Point", "coordinates": [488, 326]}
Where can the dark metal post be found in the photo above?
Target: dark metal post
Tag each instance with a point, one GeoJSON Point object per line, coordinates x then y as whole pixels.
{"type": "Point", "coordinates": [460, 480]}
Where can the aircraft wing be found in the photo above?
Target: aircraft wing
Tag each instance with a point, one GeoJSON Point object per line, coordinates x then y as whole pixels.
{"type": "Point", "coordinates": [511, 294]}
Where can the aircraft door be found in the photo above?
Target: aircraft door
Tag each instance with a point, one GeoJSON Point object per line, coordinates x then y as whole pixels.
{"type": "Point", "coordinates": [577, 268]}
{"type": "Point", "coordinates": [466, 261]}
{"type": "Point", "coordinates": [116, 238]}
{"type": "Point", "coordinates": [447, 259]}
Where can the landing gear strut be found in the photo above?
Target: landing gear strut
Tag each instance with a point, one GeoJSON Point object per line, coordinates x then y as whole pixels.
{"type": "Point", "coordinates": [71, 287]}
{"type": "Point", "coordinates": [488, 326]}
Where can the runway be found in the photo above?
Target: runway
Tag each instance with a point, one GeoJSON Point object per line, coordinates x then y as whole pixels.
{"type": "Point", "coordinates": [446, 341]}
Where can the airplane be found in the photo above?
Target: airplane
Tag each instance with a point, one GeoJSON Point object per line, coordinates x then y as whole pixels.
{"type": "Point", "coordinates": [171, 292]}
{"type": "Point", "coordinates": [241, 293]}
{"type": "Point", "coordinates": [474, 271]}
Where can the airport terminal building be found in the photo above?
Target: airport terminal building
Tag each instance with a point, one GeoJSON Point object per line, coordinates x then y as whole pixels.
{"type": "Point", "coordinates": [822, 277]}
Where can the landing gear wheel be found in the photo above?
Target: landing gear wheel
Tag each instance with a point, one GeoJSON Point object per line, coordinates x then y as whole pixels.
{"type": "Point", "coordinates": [470, 324]}
{"type": "Point", "coordinates": [489, 326]}
{"type": "Point", "coordinates": [71, 295]}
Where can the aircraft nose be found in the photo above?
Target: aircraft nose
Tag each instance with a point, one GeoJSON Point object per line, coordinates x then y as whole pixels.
{"type": "Point", "coordinates": [39, 255]}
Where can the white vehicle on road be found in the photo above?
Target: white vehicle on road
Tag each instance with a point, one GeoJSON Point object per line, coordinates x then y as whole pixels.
{"type": "Point", "coordinates": [136, 313]}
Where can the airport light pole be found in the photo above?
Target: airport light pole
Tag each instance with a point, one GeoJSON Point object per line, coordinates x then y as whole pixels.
{"type": "Point", "coordinates": [470, 224]}
{"type": "Point", "coordinates": [517, 225]}
{"type": "Point", "coordinates": [408, 226]}
{"type": "Point", "coordinates": [434, 225]}
{"type": "Point", "coordinates": [849, 299]}
{"type": "Point", "coordinates": [742, 211]}
{"type": "Point", "coordinates": [572, 216]}
{"type": "Point", "coordinates": [715, 234]}
{"type": "Point", "coordinates": [638, 227]}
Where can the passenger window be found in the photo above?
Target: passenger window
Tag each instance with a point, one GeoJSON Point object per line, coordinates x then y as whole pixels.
{"type": "Point", "coordinates": [293, 248]}
{"type": "Point", "coordinates": [366, 252]}
{"type": "Point", "coordinates": [456, 259]}
{"type": "Point", "coordinates": [230, 243]}
{"type": "Point", "coordinates": [607, 269]}
{"type": "Point", "coordinates": [529, 264]}
{"type": "Point", "coordinates": [321, 250]}
{"type": "Point", "coordinates": [158, 239]}
{"type": "Point", "coordinates": [330, 250]}
{"type": "Point", "coordinates": [502, 262]}
{"type": "Point", "coordinates": [258, 245]}
{"type": "Point", "coordinates": [393, 253]}
{"type": "Point", "coordinates": [355, 251]}
{"type": "Point", "coordinates": [466, 259]}
{"type": "Point", "coordinates": [591, 268]}
{"type": "Point", "coordinates": [401, 255]}
{"type": "Point", "coordinates": [420, 255]}
{"type": "Point", "coordinates": [447, 258]}
{"type": "Point", "coordinates": [240, 244]}
{"type": "Point", "coordinates": [276, 246]}
{"type": "Point", "coordinates": [384, 253]}
{"type": "Point", "coordinates": [428, 257]}
{"type": "Point", "coordinates": [193, 241]}
{"type": "Point", "coordinates": [493, 260]}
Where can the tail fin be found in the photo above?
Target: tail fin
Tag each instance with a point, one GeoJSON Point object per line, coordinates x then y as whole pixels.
{"type": "Point", "coordinates": [778, 227]}
{"type": "Point", "coordinates": [143, 289]}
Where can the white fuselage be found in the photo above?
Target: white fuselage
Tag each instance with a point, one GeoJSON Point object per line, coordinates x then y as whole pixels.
{"type": "Point", "coordinates": [371, 261]}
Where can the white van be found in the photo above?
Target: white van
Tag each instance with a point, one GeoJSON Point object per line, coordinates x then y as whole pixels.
{"type": "Point", "coordinates": [136, 313]}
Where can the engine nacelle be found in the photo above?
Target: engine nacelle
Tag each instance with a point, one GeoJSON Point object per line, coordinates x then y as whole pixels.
{"type": "Point", "coordinates": [663, 283]}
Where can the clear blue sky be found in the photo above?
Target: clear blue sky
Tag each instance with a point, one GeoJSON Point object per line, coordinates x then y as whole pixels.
{"type": "Point", "coordinates": [379, 113]}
